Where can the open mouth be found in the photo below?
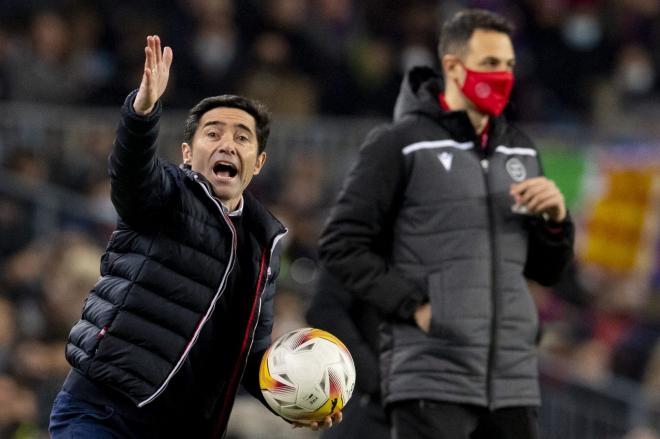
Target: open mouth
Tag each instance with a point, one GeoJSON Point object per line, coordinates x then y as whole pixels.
{"type": "Point", "coordinates": [225, 170]}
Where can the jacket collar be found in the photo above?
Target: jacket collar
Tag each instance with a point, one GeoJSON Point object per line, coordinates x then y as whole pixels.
{"type": "Point", "coordinates": [238, 212]}
{"type": "Point", "coordinates": [259, 221]}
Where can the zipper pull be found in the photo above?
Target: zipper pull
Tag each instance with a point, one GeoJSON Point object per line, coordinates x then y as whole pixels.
{"type": "Point", "coordinates": [102, 332]}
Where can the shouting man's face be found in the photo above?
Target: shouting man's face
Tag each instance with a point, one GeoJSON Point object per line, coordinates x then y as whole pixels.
{"type": "Point", "coordinates": [225, 150]}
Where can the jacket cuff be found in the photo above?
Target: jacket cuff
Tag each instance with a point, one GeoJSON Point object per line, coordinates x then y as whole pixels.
{"type": "Point", "coordinates": [135, 120]}
{"type": "Point", "coordinates": [556, 232]}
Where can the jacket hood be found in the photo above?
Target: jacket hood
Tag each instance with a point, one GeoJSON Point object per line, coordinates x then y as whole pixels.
{"type": "Point", "coordinates": [419, 94]}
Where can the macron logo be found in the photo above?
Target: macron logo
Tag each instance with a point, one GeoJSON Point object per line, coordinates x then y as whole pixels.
{"type": "Point", "coordinates": [446, 158]}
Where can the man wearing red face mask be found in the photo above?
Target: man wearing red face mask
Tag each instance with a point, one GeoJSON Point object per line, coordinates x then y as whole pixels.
{"type": "Point", "coordinates": [440, 223]}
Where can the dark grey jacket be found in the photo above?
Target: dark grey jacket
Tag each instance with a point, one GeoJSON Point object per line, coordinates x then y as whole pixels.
{"type": "Point", "coordinates": [426, 215]}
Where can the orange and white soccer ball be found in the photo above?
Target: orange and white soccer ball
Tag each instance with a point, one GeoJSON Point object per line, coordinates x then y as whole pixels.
{"type": "Point", "coordinates": [306, 375]}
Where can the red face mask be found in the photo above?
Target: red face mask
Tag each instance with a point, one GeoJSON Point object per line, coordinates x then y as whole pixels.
{"type": "Point", "coordinates": [488, 91]}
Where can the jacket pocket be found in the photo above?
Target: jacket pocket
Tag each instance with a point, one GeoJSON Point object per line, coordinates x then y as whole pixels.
{"type": "Point", "coordinates": [460, 308]}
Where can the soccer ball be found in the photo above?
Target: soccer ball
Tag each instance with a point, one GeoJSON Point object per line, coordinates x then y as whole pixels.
{"type": "Point", "coordinates": [306, 375]}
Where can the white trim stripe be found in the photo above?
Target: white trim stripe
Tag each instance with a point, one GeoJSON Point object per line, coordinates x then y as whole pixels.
{"type": "Point", "coordinates": [209, 311]}
{"type": "Point", "coordinates": [268, 274]}
{"type": "Point", "coordinates": [520, 151]}
{"type": "Point", "coordinates": [432, 144]}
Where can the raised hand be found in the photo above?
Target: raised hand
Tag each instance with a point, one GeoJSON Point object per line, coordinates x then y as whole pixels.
{"type": "Point", "coordinates": [156, 73]}
{"type": "Point", "coordinates": [540, 195]}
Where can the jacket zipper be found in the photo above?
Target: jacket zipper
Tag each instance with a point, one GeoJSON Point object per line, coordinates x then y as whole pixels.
{"type": "Point", "coordinates": [261, 286]}
{"type": "Point", "coordinates": [493, 322]}
{"type": "Point", "coordinates": [268, 274]}
{"type": "Point", "coordinates": [209, 312]}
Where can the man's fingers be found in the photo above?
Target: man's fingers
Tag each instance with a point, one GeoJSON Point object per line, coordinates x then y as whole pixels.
{"type": "Point", "coordinates": [529, 194]}
{"type": "Point", "coordinates": [159, 53]}
{"type": "Point", "coordinates": [149, 58]}
{"type": "Point", "coordinates": [518, 188]}
{"type": "Point", "coordinates": [551, 203]}
{"type": "Point", "coordinates": [148, 62]}
{"type": "Point", "coordinates": [154, 78]}
{"type": "Point", "coordinates": [327, 422]}
{"type": "Point", "coordinates": [152, 48]}
{"type": "Point", "coordinates": [167, 57]}
{"type": "Point", "coordinates": [532, 196]}
{"type": "Point", "coordinates": [541, 199]}
{"type": "Point", "coordinates": [146, 56]}
{"type": "Point", "coordinates": [150, 42]}
{"type": "Point", "coordinates": [534, 190]}
{"type": "Point", "coordinates": [539, 194]}
{"type": "Point", "coordinates": [157, 57]}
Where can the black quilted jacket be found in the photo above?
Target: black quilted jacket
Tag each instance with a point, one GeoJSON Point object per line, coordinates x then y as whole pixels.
{"type": "Point", "coordinates": [166, 269]}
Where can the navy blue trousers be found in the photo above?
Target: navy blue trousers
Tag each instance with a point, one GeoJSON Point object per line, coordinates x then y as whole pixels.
{"type": "Point", "coordinates": [73, 418]}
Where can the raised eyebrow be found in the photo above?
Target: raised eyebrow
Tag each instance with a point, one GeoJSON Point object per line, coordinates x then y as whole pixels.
{"type": "Point", "coordinates": [213, 122]}
{"type": "Point", "coordinates": [221, 123]}
{"type": "Point", "coordinates": [244, 127]}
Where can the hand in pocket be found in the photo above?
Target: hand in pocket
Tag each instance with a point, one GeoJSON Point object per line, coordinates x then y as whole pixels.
{"type": "Point", "coordinates": [423, 317]}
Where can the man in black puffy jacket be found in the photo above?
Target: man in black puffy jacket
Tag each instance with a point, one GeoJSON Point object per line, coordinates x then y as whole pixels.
{"type": "Point", "coordinates": [183, 311]}
{"type": "Point", "coordinates": [442, 219]}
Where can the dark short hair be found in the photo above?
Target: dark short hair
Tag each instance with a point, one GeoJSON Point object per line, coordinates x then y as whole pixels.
{"type": "Point", "coordinates": [457, 31]}
{"type": "Point", "coordinates": [254, 108]}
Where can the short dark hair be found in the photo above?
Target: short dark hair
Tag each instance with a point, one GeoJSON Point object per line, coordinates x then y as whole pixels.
{"type": "Point", "coordinates": [457, 31]}
{"type": "Point", "coordinates": [255, 108]}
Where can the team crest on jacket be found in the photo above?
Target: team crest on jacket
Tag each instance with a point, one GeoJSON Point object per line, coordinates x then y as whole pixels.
{"type": "Point", "coordinates": [516, 169]}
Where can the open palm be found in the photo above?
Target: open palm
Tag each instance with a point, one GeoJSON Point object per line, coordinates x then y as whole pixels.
{"type": "Point", "coordinates": [156, 74]}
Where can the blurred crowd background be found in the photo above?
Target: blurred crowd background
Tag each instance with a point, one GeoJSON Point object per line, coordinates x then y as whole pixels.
{"type": "Point", "coordinates": [586, 89]}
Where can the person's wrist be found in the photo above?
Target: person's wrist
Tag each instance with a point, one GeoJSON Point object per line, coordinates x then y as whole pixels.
{"type": "Point", "coordinates": [140, 110]}
{"type": "Point", "coordinates": [559, 218]}
{"type": "Point", "coordinates": [554, 216]}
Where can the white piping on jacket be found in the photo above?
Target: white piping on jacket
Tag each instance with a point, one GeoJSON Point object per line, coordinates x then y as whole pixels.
{"type": "Point", "coordinates": [520, 151]}
{"type": "Point", "coordinates": [432, 144]}
{"type": "Point", "coordinates": [206, 317]}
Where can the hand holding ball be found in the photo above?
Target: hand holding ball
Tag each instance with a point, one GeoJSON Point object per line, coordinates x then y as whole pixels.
{"type": "Point", "coordinates": [307, 375]}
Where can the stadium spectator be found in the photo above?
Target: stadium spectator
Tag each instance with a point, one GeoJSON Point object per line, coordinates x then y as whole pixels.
{"type": "Point", "coordinates": [7, 332]}
{"type": "Point", "coordinates": [19, 409]}
{"type": "Point", "coordinates": [41, 70]}
{"type": "Point", "coordinates": [271, 78]}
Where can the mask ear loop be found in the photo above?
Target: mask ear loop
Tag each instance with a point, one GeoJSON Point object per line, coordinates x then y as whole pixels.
{"type": "Point", "coordinates": [460, 87]}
